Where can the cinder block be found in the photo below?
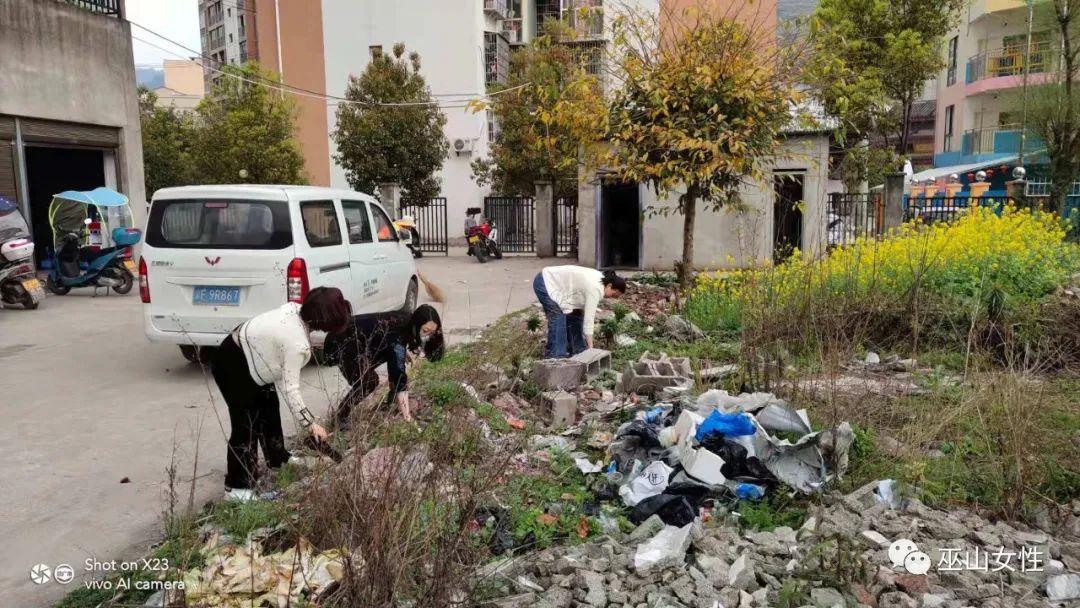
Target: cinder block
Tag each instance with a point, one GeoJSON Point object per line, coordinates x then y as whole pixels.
{"type": "Point", "coordinates": [682, 366]}
{"type": "Point", "coordinates": [559, 374]}
{"type": "Point", "coordinates": [653, 373]}
{"type": "Point", "coordinates": [561, 407]}
{"type": "Point", "coordinates": [596, 360]}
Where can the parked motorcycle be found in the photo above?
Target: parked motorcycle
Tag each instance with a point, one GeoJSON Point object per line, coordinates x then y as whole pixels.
{"type": "Point", "coordinates": [409, 235]}
{"type": "Point", "coordinates": [18, 283]}
{"type": "Point", "coordinates": [81, 255]}
{"type": "Point", "coordinates": [482, 236]}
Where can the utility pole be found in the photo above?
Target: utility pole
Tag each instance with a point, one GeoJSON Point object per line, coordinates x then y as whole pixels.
{"type": "Point", "coordinates": [1027, 70]}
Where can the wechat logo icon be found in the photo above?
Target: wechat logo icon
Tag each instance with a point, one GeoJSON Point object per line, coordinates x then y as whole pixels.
{"type": "Point", "coordinates": [905, 554]}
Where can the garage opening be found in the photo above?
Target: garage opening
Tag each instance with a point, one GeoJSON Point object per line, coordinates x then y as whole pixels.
{"type": "Point", "coordinates": [620, 226]}
{"type": "Point", "coordinates": [787, 215]}
{"type": "Point", "coordinates": [52, 170]}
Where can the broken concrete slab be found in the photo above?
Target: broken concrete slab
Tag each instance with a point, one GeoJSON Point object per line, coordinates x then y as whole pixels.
{"type": "Point", "coordinates": [561, 408]}
{"type": "Point", "coordinates": [559, 374]}
{"type": "Point", "coordinates": [667, 548]}
{"type": "Point", "coordinates": [1063, 587]}
{"type": "Point", "coordinates": [741, 574]}
{"type": "Point", "coordinates": [596, 360]}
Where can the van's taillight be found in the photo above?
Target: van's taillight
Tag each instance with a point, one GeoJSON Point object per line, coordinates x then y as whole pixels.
{"type": "Point", "coordinates": [144, 282]}
{"type": "Point", "coordinates": [296, 281]}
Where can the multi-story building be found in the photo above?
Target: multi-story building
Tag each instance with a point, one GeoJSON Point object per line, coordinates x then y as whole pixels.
{"type": "Point", "coordinates": [978, 96]}
{"type": "Point", "coordinates": [69, 112]}
{"type": "Point", "coordinates": [228, 32]}
{"type": "Point", "coordinates": [464, 46]}
{"type": "Point", "coordinates": [183, 88]}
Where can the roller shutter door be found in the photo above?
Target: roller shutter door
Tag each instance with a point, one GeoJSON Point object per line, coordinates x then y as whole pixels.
{"type": "Point", "coordinates": [7, 171]}
{"type": "Point", "coordinates": [53, 132]}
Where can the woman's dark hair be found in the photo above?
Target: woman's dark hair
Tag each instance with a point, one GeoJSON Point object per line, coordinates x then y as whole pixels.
{"type": "Point", "coordinates": [614, 281]}
{"type": "Point", "coordinates": [326, 309]}
{"type": "Point", "coordinates": [436, 345]}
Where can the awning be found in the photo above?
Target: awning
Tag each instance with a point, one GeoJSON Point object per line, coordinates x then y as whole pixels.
{"type": "Point", "coordinates": [937, 172]}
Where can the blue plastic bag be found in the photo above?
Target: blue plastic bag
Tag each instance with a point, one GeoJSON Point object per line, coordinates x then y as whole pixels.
{"type": "Point", "coordinates": [749, 491]}
{"type": "Point", "coordinates": [729, 425]}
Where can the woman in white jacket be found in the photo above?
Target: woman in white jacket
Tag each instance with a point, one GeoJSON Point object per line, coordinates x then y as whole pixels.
{"type": "Point", "coordinates": [562, 290]}
{"type": "Point", "coordinates": [259, 362]}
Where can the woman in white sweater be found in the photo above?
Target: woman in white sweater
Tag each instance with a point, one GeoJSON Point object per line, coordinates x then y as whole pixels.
{"type": "Point", "coordinates": [564, 290]}
{"type": "Point", "coordinates": [260, 361]}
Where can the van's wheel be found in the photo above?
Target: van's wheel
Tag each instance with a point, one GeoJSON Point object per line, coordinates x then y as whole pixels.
{"type": "Point", "coordinates": [60, 290]}
{"type": "Point", "coordinates": [126, 282]}
{"type": "Point", "coordinates": [410, 297]}
{"type": "Point", "coordinates": [197, 354]}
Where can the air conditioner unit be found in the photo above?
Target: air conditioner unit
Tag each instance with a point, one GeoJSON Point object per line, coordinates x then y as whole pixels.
{"type": "Point", "coordinates": [462, 145]}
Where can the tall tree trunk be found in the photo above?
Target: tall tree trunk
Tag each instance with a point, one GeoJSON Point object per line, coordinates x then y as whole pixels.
{"type": "Point", "coordinates": [905, 128]}
{"type": "Point", "coordinates": [686, 268]}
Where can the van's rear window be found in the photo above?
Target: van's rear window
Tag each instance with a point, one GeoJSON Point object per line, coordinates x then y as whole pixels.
{"type": "Point", "coordinates": [219, 224]}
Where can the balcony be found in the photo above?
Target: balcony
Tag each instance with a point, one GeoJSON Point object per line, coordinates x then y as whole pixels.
{"type": "Point", "coordinates": [495, 8]}
{"type": "Point", "coordinates": [496, 59]}
{"type": "Point", "coordinates": [586, 18]}
{"type": "Point", "coordinates": [512, 30]}
{"type": "Point", "coordinates": [1009, 61]}
{"type": "Point", "coordinates": [991, 140]}
{"type": "Point", "coordinates": [104, 7]}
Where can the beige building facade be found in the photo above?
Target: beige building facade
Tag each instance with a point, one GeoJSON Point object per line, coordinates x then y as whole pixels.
{"type": "Point", "coordinates": [184, 85]}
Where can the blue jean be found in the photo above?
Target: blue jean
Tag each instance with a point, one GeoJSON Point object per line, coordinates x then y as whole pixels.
{"type": "Point", "coordinates": [564, 331]}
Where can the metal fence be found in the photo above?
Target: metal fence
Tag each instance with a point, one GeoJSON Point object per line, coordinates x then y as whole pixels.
{"type": "Point", "coordinates": [515, 217]}
{"type": "Point", "coordinates": [105, 7]}
{"type": "Point", "coordinates": [946, 208]}
{"type": "Point", "coordinates": [854, 216]}
{"type": "Point", "coordinates": [430, 220]}
{"type": "Point", "coordinates": [566, 227]}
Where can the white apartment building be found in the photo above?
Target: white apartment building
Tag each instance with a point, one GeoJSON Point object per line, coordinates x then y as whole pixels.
{"type": "Point", "coordinates": [465, 48]}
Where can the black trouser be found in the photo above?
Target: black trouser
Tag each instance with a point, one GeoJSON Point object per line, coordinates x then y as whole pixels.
{"type": "Point", "coordinates": [363, 379]}
{"type": "Point", "coordinates": [253, 415]}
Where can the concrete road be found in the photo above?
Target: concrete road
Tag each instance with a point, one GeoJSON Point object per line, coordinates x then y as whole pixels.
{"type": "Point", "coordinates": [93, 414]}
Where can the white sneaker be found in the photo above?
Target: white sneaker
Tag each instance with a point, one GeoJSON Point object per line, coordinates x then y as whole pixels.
{"type": "Point", "coordinates": [240, 495]}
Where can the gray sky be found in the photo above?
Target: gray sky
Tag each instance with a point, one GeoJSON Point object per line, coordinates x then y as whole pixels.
{"type": "Point", "coordinates": [175, 19]}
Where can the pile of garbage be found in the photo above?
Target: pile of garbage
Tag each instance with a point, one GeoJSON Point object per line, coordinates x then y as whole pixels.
{"type": "Point", "coordinates": [673, 458]}
{"type": "Point", "coordinates": [255, 573]}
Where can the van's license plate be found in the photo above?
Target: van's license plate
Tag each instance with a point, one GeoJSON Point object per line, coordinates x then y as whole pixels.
{"type": "Point", "coordinates": [216, 296]}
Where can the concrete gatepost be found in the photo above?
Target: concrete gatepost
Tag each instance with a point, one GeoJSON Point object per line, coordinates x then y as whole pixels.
{"type": "Point", "coordinates": [1017, 190]}
{"type": "Point", "coordinates": [390, 197]}
{"type": "Point", "coordinates": [894, 201]}
{"type": "Point", "coordinates": [545, 220]}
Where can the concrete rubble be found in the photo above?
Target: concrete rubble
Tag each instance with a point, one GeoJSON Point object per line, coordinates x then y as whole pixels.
{"type": "Point", "coordinates": [712, 564]}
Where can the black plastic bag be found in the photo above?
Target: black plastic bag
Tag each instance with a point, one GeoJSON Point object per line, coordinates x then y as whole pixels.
{"type": "Point", "coordinates": [648, 434]}
{"type": "Point", "coordinates": [673, 510]}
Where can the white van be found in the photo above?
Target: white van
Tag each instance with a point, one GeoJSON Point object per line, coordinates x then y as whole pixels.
{"type": "Point", "coordinates": [215, 256]}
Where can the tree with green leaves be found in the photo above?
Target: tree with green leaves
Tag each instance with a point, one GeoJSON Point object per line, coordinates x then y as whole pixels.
{"type": "Point", "coordinates": [244, 132]}
{"type": "Point", "coordinates": [699, 110]}
{"type": "Point", "coordinates": [532, 144]}
{"type": "Point", "coordinates": [166, 143]}
{"type": "Point", "coordinates": [402, 142]}
{"type": "Point", "coordinates": [870, 60]}
{"type": "Point", "coordinates": [1053, 108]}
